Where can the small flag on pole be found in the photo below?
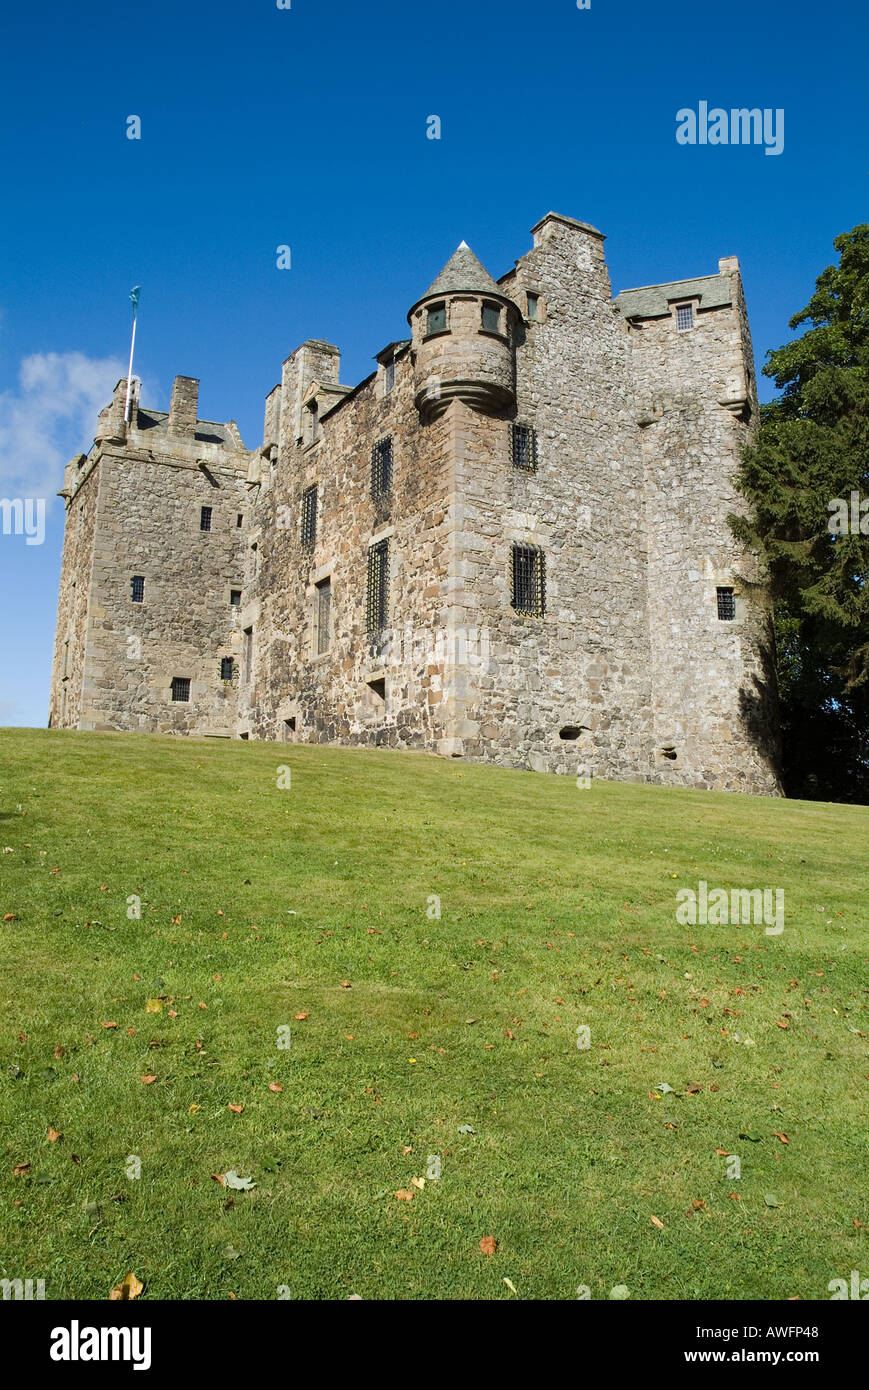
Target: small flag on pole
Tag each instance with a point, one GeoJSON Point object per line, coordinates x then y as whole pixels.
{"type": "Point", "coordinates": [134, 300]}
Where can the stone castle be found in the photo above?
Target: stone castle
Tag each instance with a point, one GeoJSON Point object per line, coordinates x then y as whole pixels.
{"type": "Point", "coordinates": [509, 543]}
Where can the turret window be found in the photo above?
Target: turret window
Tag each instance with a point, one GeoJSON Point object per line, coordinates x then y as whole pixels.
{"type": "Point", "coordinates": [525, 447]}
{"type": "Point", "coordinates": [491, 318]}
{"type": "Point", "coordinates": [436, 319]}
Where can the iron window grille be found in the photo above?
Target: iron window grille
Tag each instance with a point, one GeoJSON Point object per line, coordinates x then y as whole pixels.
{"type": "Point", "coordinates": [309, 516]}
{"type": "Point", "coordinates": [685, 317]}
{"type": "Point", "coordinates": [528, 587]}
{"type": "Point", "coordinates": [138, 583]}
{"type": "Point", "coordinates": [181, 688]}
{"type": "Point", "coordinates": [324, 614]}
{"type": "Point", "coordinates": [205, 519]}
{"type": "Point", "coordinates": [525, 447]}
{"type": "Point", "coordinates": [381, 468]}
{"type": "Point", "coordinates": [726, 604]}
{"type": "Point", "coordinates": [378, 586]}
{"type": "Point", "coordinates": [226, 668]}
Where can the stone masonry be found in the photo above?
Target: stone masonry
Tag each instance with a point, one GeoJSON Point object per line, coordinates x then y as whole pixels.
{"type": "Point", "coordinates": [509, 543]}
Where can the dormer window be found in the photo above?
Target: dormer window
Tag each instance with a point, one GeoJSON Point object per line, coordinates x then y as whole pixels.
{"type": "Point", "coordinates": [491, 318]}
{"type": "Point", "coordinates": [436, 319]}
{"type": "Point", "coordinates": [684, 317]}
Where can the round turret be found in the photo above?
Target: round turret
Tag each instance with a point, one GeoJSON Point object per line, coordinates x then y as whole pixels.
{"type": "Point", "coordinates": [462, 340]}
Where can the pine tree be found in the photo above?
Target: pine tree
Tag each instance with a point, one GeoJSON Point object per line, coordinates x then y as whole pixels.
{"type": "Point", "coordinates": [806, 475]}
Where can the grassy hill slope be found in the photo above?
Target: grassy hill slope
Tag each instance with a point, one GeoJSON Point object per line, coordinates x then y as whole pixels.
{"type": "Point", "coordinates": [312, 907]}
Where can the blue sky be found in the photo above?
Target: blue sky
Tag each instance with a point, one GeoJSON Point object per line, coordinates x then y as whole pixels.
{"type": "Point", "coordinates": [306, 127]}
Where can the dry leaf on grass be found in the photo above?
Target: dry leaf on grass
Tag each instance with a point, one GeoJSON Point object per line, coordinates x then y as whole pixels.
{"type": "Point", "coordinates": [236, 1109]}
{"type": "Point", "coordinates": [655, 1222]}
{"type": "Point", "coordinates": [129, 1287]}
{"type": "Point", "coordinates": [403, 1195]}
{"type": "Point", "coordinates": [275, 1086]}
{"type": "Point", "coordinates": [53, 1136]}
{"type": "Point", "coordinates": [148, 1079]}
{"type": "Point", "coordinates": [488, 1245]}
{"type": "Point", "coordinates": [22, 1169]}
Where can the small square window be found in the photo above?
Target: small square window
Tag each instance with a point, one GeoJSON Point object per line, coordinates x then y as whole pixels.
{"type": "Point", "coordinates": [205, 519]}
{"type": "Point", "coordinates": [525, 447]}
{"type": "Point", "coordinates": [436, 319]}
{"type": "Point", "coordinates": [226, 668]}
{"type": "Point", "coordinates": [181, 688]}
{"type": "Point", "coordinates": [684, 317]}
{"type": "Point", "coordinates": [533, 306]}
{"type": "Point", "coordinates": [235, 598]}
{"type": "Point", "coordinates": [726, 604]}
{"type": "Point", "coordinates": [138, 585]}
{"type": "Point", "coordinates": [491, 318]}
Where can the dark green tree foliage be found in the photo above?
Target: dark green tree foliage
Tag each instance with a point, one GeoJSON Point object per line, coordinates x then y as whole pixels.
{"type": "Point", "coordinates": [806, 475]}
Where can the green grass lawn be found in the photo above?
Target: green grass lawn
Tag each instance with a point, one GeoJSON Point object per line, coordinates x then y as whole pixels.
{"type": "Point", "coordinates": [312, 907]}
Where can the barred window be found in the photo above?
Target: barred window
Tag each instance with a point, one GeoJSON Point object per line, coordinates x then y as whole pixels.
{"type": "Point", "coordinates": [525, 447]}
{"type": "Point", "coordinates": [309, 516]}
{"type": "Point", "coordinates": [491, 318]}
{"type": "Point", "coordinates": [181, 688]}
{"type": "Point", "coordinates": [226, 668]}
{"type": "Point", "coordinates": [528, 589]}
{"type": "Point", "coordinates": [205, 519]}
{"type": "Point", "coordinates": [138, 583]}
{"type": "Point", "coordinates": [685, 316]}
{"type": "Point", "coordinates": [324, 615]}
{"type": "Point", "coordinates": [381, 468]}
{"type": "Point", "coordinates": [378, 586]}
{"type": "Point", "coordinates": [726, 605]}
{"type": "Point", "coordinates": [436, 319]}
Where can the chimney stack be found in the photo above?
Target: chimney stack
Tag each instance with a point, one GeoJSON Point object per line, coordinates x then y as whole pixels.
{"type": "Point", "coordinates": [182, 408]}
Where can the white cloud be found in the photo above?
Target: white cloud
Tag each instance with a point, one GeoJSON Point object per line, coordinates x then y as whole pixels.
{"type": "Point", "coordinates": [50, 417]}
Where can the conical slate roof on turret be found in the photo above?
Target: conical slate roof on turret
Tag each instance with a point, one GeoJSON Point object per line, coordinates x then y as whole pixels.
{"type": "Point", "coordinates": [463, 273]}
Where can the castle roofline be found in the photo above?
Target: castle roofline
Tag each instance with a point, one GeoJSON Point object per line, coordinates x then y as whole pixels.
{"type": "Point", "coordinates": [653, 301]}
{"type": "Point", "coordinates": [569, 222]}
{"type": "Point", "coordinates": [462, 274]}
{"type": "Point", "coordinates": [206, 431]}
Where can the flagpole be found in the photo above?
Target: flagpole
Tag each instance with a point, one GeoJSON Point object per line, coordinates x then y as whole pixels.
{"type": "Point", "coordinates": [134, 299]}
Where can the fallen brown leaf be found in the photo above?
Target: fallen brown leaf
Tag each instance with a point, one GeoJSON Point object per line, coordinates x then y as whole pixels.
{"type": "Point", "coordinates": [52, 1136]}
{"type": "Point", "coordinates": [655, 1222]}
{"type": "Point", "coordinates": [403, 1195]}
{"type": "Point", "coordinates": [130, 1287]}
{"type": "Point", "coordinates": [488, 1245]}
{"type": "Point", "coordinates": [275, 1086]}
{"type": "Point", "coordinates": [236, 1109]}
{"type": "Point", "coordinates": [148, 1079]}
{"type": "Point", "coordinates": [21, 1169]}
